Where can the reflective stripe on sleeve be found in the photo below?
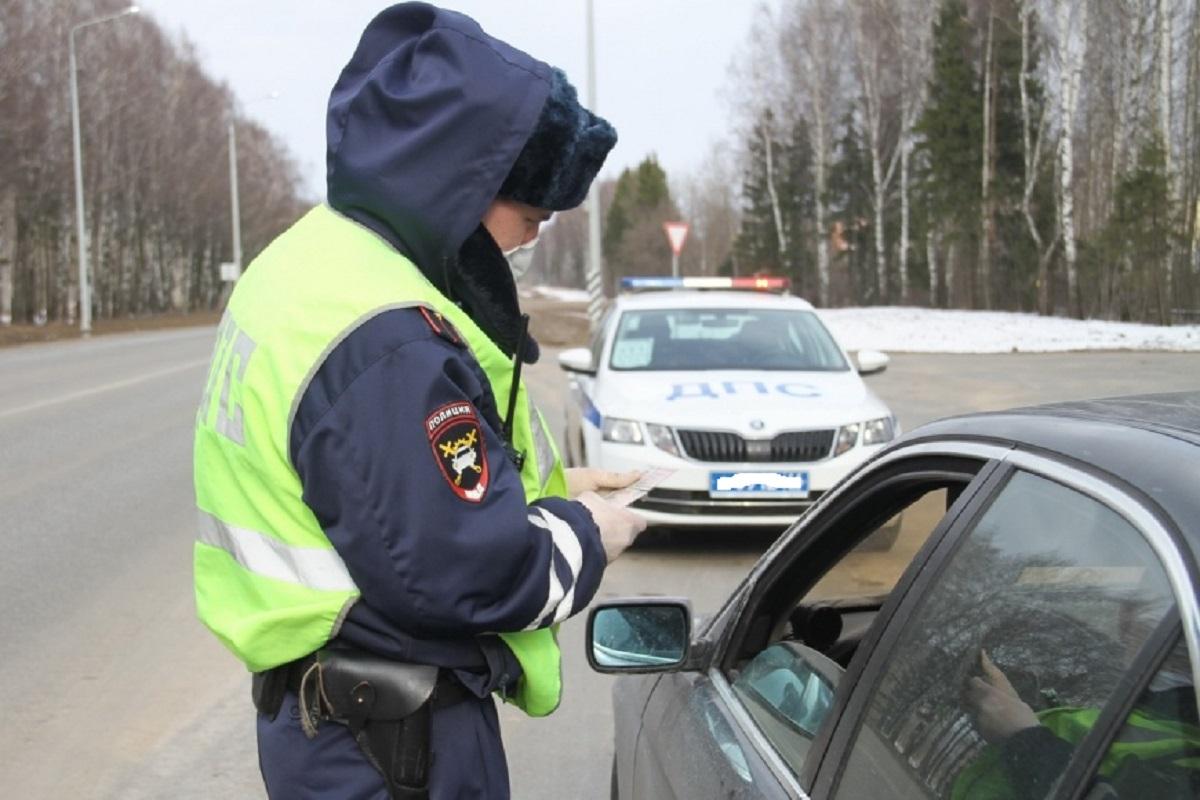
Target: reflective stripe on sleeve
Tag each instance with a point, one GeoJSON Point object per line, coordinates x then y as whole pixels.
{"type": "Point", "coordinates": [318, 568]}
{"type": "Point", "coordinates": [559, 602]}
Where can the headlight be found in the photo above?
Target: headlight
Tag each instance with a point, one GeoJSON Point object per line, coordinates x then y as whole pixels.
{"type": "Point", "coordinates": [662, 437]}
{"type": "Point", "coordinates": [847, 437]}
{"type": "Point", "coordinates": [622, 431]}
{"type": "Point", "coordinates": [878, 431]}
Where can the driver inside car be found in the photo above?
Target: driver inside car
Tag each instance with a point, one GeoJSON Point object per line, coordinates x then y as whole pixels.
{"type": "Point", "coordinates": [1156, 755]}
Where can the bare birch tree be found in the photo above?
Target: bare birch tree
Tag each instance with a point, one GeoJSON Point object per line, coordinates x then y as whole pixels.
{"type": "Point", "coordinates": [1079, 203]}
{"type": "Point", "coordinates": [1071, 22]}
{"type": "Point", "coordinates": [1191, 136]}
{"type": "Point", "coordinates": [1032, 149]}
{"type": "Point", "coordinates": [1165, 63]}
{"type": "Point", "coordinates": [873, 30]}
{"type": "Point", "coordinates": [153, 134]}
{"type": "Point", "coordinates": [708, 200]}
{"type": "Point", "coordinates": [811, 39]}
{"type": "Point", "coordinates": [914, 27]}
{"type": "Point", "coordinates": [987, 215]}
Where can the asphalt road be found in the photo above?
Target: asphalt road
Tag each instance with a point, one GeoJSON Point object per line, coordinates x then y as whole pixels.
{"type": "Point", "coordinates": [113, 689]}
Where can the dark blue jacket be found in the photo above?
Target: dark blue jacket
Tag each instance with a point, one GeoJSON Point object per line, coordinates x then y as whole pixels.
{"type": "Point", "coordinates": [437, 572]}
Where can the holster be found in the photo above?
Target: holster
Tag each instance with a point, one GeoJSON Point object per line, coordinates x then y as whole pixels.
{"type": "Point", "coordinates": [387, 706]}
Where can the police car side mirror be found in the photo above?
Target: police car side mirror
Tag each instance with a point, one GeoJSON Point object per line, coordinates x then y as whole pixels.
{"type": "Point", "coordinates": [577, 359]}
{"type": "Point", "coordinates": [871, 361]}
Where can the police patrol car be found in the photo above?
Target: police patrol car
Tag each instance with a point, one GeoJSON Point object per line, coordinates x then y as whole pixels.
{"type": "Point", "coordinates": [744, 394]}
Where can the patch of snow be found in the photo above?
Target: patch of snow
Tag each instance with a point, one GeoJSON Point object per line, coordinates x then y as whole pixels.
{"type": "Point", "coordinates": [927, 330]}
{"type": "Point", "coordinates": [559, 293]}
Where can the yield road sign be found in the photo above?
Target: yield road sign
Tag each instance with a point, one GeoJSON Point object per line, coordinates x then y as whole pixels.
{"type": "Point", "coordinates": [677, 234]}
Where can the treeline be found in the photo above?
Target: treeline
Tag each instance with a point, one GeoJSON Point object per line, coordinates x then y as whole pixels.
{"type": "Point", "coordinates": [1039, 155]}
{"type": "Point", "coordinates": [1019, 154]}
{"type": "Point", "coordinates": [155, 145]}
{"type": "Point", "coordinates": [634, 208]}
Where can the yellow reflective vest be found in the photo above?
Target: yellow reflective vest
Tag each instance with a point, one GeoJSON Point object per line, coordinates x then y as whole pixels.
{"type": "Point", "coordinates": [268, 581]}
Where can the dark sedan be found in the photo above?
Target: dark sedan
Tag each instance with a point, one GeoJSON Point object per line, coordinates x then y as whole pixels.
{"type": "Point", "coordinates": [1032, 632]}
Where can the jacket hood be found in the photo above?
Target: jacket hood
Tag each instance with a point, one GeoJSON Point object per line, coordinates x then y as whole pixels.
{"type": "Point", "coordinates": [424, 125]}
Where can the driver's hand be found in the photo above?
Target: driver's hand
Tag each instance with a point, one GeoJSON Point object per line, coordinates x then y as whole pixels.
{"type": "Point", "coordinates": [999, 712]}
{"type": "Point", "coordinates": [618, 525]}
{"type": "Point", "coordinates": [586, 479]}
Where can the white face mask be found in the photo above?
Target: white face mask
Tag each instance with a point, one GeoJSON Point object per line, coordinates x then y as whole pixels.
{"type": "Point", "coordinates": [520, 258]}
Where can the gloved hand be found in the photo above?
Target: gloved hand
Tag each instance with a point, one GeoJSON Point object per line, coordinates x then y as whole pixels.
{"type": "Point", "coordinates": [618, 525]}
{"type": "Point", "coordinates": [586, 479]}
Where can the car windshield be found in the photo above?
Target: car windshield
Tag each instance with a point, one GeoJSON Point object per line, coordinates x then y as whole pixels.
{"type": "Point", "coordinates": [724, 338]}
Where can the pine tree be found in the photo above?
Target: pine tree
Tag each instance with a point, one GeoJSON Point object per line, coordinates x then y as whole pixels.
{"type": "Point", "coordinates": [850, 215]}
{"type": "Point", "coordinates": [1014, 255]}
{"type": "Point", "coordinates": [950, 128]}
{"type": "Point", "coordinates": [620, 211]}
{"type": "Point", "coordinates": [1139, 234]}
{"type": "Point", "coordinates": [757, 244]}
{"type": "Point", "coordinates": [634, 242]}
{"type": "Point", "coordinates": [778, 241]}
{"type": "Point", "coordinates": [798, 196]}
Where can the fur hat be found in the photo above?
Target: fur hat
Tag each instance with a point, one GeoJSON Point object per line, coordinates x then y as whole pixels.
{"type": "Point", "coordinates": [562, 155]}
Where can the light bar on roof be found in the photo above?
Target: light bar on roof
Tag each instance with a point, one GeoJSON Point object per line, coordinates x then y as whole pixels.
{"type": "Point", "coordinates": [655, 282]}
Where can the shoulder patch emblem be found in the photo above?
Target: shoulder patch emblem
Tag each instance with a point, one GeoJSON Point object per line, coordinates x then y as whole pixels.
{"type": "Point", "coordinates": [457, 442]}
{"type": "Point", "coordinates": [442, 326]}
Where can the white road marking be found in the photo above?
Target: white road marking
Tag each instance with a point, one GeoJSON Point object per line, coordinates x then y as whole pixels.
{"type": "Point", "coordinates": [107, 387]}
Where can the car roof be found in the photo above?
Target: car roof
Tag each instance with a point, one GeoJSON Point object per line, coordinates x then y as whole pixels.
{"type": "Point", "coordinates": [1151, 442]}
{"type": "Point", "coordinates": [695, 298]}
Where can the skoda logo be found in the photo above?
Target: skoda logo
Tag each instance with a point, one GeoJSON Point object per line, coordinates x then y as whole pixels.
{"type": "Point", "coordinates": [757, 424]}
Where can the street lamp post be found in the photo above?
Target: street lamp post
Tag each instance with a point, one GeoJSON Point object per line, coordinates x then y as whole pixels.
{"type": "Point", "coordinates": [595, 262]}
{"type": "Point", "coordinates": [234, 208]}
{"type": "Point", "coordinates": [85, 295]}
{"type": "Point", "coordinates": [233, 195]}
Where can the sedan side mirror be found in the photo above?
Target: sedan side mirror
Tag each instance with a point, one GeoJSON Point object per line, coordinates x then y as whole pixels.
{"type": "Point", "coordinates": [577, 359]}
{"type": "Point", "coordinates": [645, 634]}
{"type": "Point", "coordinates": [872, 361]}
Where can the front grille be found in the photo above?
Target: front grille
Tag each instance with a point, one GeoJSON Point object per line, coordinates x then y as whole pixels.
{"type": "Point", "coordinates": [676, 501]}
{"type": "Point", "coordinates": [790, 447]}
{"type": "Point", "coordinates": [802, 445]}
{"type": "Point", "coordinates": [713, 445]}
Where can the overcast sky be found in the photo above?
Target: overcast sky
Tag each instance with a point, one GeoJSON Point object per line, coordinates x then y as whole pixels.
{"type": "Point", "coordinates": [661, 64]}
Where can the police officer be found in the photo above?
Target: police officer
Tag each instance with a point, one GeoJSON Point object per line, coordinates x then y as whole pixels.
{"type": "Point", "coordinates": [386, 536]}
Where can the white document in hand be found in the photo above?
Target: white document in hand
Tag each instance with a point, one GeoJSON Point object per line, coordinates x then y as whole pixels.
{"type": "Point", "coordinates": [649, 479]}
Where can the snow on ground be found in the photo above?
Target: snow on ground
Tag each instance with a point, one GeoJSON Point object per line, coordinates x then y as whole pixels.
{"type": "Point", "coordinates": [930, 330]}
{"type": "Point", "coordinates": [557, 293]}
{"type": "Point", "coordinates": [925, 330]}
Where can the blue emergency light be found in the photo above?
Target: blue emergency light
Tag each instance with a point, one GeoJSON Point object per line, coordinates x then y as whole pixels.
{"type": "Point", "coordinates": [767, 284]}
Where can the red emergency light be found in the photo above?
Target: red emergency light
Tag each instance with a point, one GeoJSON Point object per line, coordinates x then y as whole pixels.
{"type": "Point", "coordinates": [761, 284]}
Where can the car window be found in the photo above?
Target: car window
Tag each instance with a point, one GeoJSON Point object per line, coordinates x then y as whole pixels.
{"type": "Point", "coordinates": [724, 338]}
{"type": "Point", "coordinates": [789, 687]}
{"type": "Point", "coordinates": [1024, 635]}
{"type": "Point", "coordinates": [873, 568]}
{"type": "Point", "coordinates": [1157, 752]}
{"type": "Point", "coordinates": [788, 690]}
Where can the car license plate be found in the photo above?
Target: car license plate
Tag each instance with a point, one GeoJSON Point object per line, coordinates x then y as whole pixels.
{"type": "Point", "coordinates": [777, 485]}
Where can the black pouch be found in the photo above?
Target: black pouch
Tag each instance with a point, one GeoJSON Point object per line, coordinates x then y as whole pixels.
{"type": "Point", "coordinates": [386, 706]}
{"type": "Point", "coordinates": [267, 690]}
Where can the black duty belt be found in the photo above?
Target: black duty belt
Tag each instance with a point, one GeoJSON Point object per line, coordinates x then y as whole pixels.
{"type": "Point", "coordinates": [386, 705]}
{"type": "Point", "coordinates": [447, 691]}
